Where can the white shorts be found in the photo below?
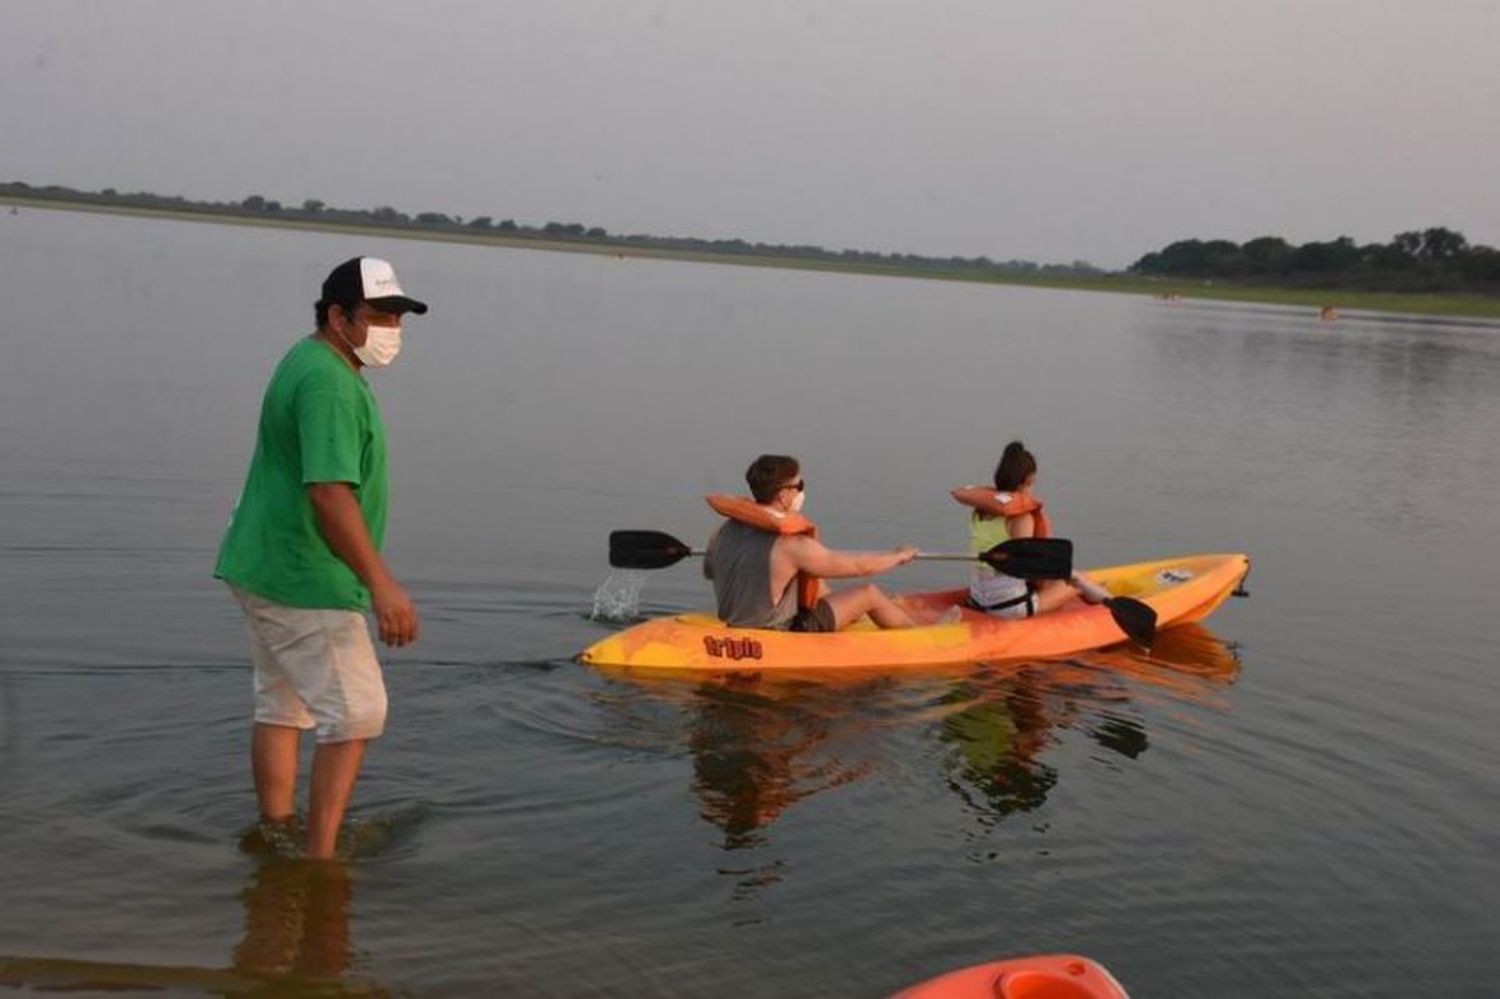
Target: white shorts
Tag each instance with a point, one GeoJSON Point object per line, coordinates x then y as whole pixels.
{"type": "Point", "coordinates": [986, 590]}
{"type": "Point", "coordinates": [1017, 612]}
{"type": "Point", "coordinates": [314, 669]}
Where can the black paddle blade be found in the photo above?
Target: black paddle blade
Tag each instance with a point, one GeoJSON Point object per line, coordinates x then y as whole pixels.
{"type": "Point", "coordinates": [645, 550]}
{"type": "Point", "coordinates": [1136, 619]}
{"type": "Point", "coordinates": [1032, 558]}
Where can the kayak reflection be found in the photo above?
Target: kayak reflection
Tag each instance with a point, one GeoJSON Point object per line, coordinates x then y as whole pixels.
{"type": "Point", "coordinates": [755, 754]}
{"type": "Point", "coordinates": [1004, 723]}
{"type": "Point", "coordinates": [999, 738]}
{"type": "Point", "coordinates": [762, 743]}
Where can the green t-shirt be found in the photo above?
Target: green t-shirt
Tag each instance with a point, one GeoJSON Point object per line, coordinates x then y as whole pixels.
{"type": "Point", "coordinates": [318, 423]}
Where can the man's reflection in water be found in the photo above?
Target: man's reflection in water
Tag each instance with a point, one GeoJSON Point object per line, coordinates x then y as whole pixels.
{"type": "Point", "coordinates": [296, 942]}
{"type": "Point", "coordinates": [754, 757]}
{"type": "Point", "coordinates": [296, 920]}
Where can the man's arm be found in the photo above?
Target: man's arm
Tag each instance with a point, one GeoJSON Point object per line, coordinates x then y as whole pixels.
{"type": "Point", "coordinates": [343, 527]}
{"type": "Point", "coordinates": [809, 556]}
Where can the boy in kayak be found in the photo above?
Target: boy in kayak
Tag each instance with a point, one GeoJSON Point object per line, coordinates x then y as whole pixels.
{"type": "Point", "coordinates": [1006, 511]}
{"type": "Point", "coordinates": [767, 564]}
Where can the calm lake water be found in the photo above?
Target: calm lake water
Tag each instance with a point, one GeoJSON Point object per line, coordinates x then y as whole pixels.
{"type": "Point", "coordinates": [1302, 800]}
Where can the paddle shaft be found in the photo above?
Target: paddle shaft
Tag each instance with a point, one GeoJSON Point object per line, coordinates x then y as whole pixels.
{"type": "Point", "coordinates": [946, 557]}
{"type": "Point", "coordinates": [1027, 558]}
{"type": "Point", "coordinates": [925, 556]}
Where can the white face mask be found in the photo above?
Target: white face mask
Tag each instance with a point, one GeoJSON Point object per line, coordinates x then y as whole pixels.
{"type": "Point", "coordinates": [382, 344]}
{"type": "Point", "coordinates": [798, 500]}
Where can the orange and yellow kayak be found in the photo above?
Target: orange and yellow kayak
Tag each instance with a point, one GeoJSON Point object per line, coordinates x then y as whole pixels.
{"type": "Point", "coordinates": [1180, 590]}
{"type": "Point", "coordinates": [1050, 976]}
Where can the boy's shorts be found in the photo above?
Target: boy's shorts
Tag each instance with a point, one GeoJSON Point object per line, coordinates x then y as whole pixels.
{"type": "Point", "coordinates": [314, 669]}
{"type": "Point", "coordinates": [818, 617]}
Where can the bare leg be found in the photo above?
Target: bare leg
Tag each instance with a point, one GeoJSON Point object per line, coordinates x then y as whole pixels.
{"type": "Point", "coordinates": [852, 604]}
{"type": "Point", "coordinates": [273, 761]}
{"type": "Point", "coordinates": [1090, 590]}
{"type": "Point", "coordinates": [1052, 594]}
{"type": "Point", "coordinates": [334, 770]}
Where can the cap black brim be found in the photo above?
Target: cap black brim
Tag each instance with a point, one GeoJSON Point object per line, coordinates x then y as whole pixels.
{"type": "Point", "coordinates": [397, 304]}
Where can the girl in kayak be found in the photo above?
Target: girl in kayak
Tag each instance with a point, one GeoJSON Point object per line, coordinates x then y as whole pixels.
{"type": "Point", "coordinates": [1009, 510]}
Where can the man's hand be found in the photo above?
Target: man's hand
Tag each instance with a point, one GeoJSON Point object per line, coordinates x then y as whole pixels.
{"type": "Point", "coordinates": [395, 614]}
{"type": "Point", "coordinates": [903, 555]}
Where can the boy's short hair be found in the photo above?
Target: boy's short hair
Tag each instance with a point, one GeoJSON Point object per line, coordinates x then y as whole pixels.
{"type": "Point", "coordinates": [768, 473]}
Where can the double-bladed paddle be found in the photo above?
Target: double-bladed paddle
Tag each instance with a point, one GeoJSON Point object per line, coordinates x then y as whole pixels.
{"type": "Point", "coordinates": [1134, 617]}
{"type": "Point", "coordinates": [1024, 558]}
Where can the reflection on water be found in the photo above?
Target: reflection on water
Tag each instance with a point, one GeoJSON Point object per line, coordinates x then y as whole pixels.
{"type": "Point", "coordinates": [1355, 460]}
{"type": "Point", "coordinates": [754, 757]}
{"type": "Point", "coordinates": [296, 921]}
{"type": "Point", "coordinates": [762, 744]}
{"type": "Point", "coordinates": [999, 737]}
{"type": "Point", "coordinates": [1189, 662]}
{"type": "Point", "coordinates": [1003, 724]}
{"type": "Point", "coordinates": [296, 941]}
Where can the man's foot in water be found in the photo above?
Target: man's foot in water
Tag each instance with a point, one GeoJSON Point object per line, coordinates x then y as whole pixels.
{"type": "Point", "coordinates": [284, 837]}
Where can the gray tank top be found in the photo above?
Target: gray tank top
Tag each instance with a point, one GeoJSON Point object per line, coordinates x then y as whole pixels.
{"type": "Point", "coordinates": [738, 561]}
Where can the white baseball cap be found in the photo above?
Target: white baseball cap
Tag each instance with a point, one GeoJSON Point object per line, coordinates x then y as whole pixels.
{"type": "Point", "coordinates": [369, 279]}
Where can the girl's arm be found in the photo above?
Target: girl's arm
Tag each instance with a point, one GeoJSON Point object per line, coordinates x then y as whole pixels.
{"type": "Point", "coordinates": [981, 498]}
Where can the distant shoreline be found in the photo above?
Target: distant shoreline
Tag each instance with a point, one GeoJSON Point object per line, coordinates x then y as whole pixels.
{"type": "Point", "coordinates": [1418, 304]}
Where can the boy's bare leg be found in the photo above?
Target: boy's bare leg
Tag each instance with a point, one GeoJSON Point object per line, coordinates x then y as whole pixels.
{"type": "Point", "coordinates": [852, 604]}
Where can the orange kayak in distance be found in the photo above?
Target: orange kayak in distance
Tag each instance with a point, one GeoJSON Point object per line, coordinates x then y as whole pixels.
{"type": "Point", "coordinates": [1180, 590]}
{"type": "Point", "coordinates": [1051, 976]}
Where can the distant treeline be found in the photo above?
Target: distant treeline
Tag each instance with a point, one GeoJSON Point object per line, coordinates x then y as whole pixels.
{"type": "Point", "coordinates": [1433, 260]}
{"type": "Point", "coordinates": [386, 217]}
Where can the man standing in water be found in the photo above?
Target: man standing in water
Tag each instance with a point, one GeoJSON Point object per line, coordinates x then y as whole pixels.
{"type": "Point", "coordinates": [302, 552]}
{"type": "Point", "coordinates": [767, 564]}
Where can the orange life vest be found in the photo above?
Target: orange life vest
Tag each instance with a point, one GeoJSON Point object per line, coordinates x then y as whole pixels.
{"type": "Point", "coordinates": [1024, 503]}
{"type": "Point", "coordinates": [747, 511]}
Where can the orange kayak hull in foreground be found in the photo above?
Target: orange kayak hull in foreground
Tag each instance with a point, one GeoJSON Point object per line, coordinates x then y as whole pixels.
{"type": "Point", "coordinates": [1053, 976]}
{"type": "Point", "coordinates": [1180, 590]}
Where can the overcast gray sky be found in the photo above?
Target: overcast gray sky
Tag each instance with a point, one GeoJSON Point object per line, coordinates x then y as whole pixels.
{"type": "Point", "coordinates": [1043, 129]}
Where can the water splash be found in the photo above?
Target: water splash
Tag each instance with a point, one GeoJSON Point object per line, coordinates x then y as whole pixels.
{"type": "Point", "coordinates": [283, 840]}
{"type": "Point", "coordinates": [359, 838]}
{"type": "Point", "coordinates": [618, 598]}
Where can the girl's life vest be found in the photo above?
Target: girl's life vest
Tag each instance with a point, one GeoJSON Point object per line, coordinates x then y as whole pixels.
{"type": "Point", "coordinates": [988, 588]}
{"type": "Point", "coordinates": [747, 511]}
{"type": "Point", "coordinates": [1002, 506]}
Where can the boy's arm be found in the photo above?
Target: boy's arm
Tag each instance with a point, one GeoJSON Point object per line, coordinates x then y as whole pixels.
{"type": "Point", "coordinates": [811, 557]}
